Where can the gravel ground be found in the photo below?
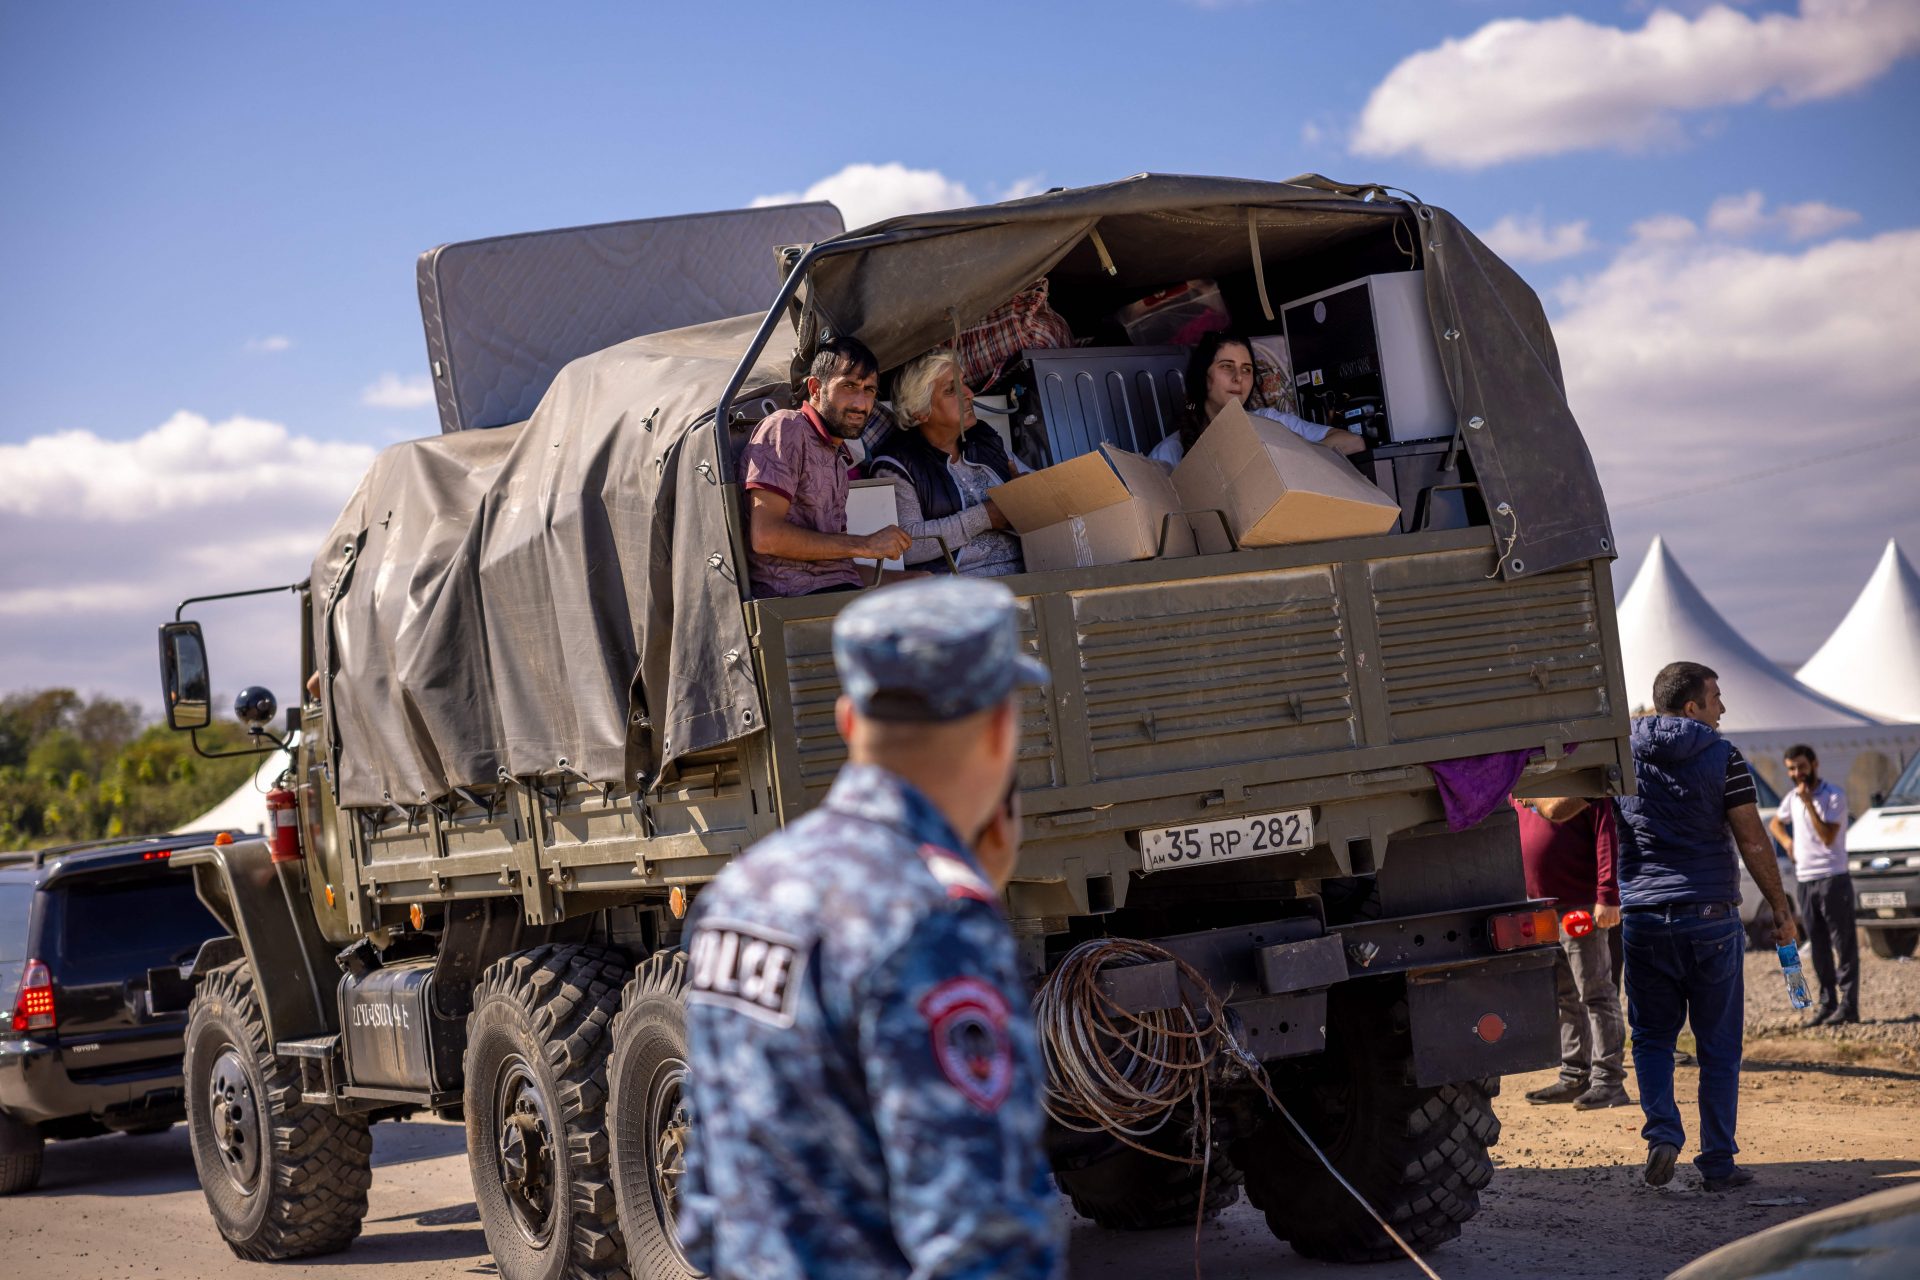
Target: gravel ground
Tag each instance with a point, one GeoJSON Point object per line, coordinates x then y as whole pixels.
{"type": "Point", "coordinates": [1825, 1117]}
{"type": "Point", "coordinates": [1889, 1012]}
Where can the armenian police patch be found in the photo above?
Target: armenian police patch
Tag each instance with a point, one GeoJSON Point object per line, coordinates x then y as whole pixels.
{"type": "Point", "coordinates": [746, 967]}
{"type": "Point", "coordinates": [968, 1019]}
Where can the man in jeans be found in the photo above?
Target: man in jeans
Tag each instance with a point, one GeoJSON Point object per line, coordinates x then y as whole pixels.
{"type": "Point", "coordinates": [1568, 848]}
{"type": "Point", "coordinates": [1680, 903]}
{"type": "Point", "coordinates": [1817, 840]}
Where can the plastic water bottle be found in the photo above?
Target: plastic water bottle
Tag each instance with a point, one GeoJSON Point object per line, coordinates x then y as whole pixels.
{"type": "Point", "coordinates": [1796, 980]}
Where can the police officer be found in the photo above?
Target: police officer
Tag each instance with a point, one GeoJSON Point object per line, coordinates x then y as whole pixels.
{"type": "Point", "coordinates": [864, 1074]}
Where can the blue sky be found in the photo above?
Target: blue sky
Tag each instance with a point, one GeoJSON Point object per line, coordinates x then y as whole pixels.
{"type": "Point", "coordinates": [214, 210]}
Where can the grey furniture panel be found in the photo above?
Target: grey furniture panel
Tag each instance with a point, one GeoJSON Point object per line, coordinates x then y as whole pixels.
{"type": "Point", "coordinates": [502, 315]}
{"type": "Point", "coordinates": [1124, 396]}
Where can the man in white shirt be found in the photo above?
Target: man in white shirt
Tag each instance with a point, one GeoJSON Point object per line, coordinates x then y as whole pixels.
{"type": "Point", "coordinates": [1817, 813]}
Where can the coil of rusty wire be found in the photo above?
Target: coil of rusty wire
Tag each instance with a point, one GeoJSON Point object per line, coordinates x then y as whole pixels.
{"type": "Point", "coordinates": [1116, 1071]}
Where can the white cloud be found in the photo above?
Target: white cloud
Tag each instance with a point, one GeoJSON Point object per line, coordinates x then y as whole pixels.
{"type": "Point", "coordinates": [1814, 219]}
{"type": "Point", "coordinates": [1519, 88]}
{"type": "Point", "coordinates": [1747, 215]}
{"type": "Point", "coordinates": [1695, 361]}
{"type": "Point", "coordinates": [1664, 228]}
{"type": "Point", "coordinates": [392, 391]}
{"type": "Point", "coordinates": [1737, 216]}
{"type": "Point", "coordinates": [1529, 239]}
{"type": "Point", "coordinates": [1021, 188]}
{"type": "Point", "coordinates": [105, 537]}
{"type": "Point", "coordinates": [185, 464]}
{"type": "Point", "coordinates": [869, 193]}
{"type": "Point", "coordinates": [272, 344]}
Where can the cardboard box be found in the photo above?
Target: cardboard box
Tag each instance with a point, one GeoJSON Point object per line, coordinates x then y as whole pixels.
{"type": "Point", "coordinates": [1100, 508]}
{"type": "Point", "coordinates": [871, 507]}
{"type": "Point", "coordinates": [1274, 487]}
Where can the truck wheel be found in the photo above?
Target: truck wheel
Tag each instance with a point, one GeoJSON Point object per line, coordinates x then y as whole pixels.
{"type": "Point", "coordinates": [1129, 1190]}
{"type": "Point", "coordinates": [21, 1147]}
{"type": "Point", "coordinates": [536, 1087]}
{"type": "Point", "coordinates": [647, 1077]}
{"type": "Point", "coordinates": [283, 1178]}
{"type": "Point", "coordinates": [1891, 944]}
{"type": "Point", "coordinates": [1419, 1155]}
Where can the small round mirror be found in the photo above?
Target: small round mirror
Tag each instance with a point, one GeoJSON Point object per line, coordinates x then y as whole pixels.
{"type": "Point", "coordinates": [255, 706]}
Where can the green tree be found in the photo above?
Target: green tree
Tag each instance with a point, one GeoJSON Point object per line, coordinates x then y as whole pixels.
{"type": "Point", "coordinates": [55, 756]}
{"type": "Point", "coordinates": [77, 769]}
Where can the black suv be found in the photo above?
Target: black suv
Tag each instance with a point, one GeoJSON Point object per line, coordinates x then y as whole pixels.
{"type": "Point", "coordinates": [82, 1050]}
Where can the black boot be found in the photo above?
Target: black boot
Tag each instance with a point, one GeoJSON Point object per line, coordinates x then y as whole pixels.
{"type": "Point", "coordinates": [1558, 1091]}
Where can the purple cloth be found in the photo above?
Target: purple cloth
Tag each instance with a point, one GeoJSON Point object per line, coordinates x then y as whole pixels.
{"type": "Point", "coordinates": [1473, 787]}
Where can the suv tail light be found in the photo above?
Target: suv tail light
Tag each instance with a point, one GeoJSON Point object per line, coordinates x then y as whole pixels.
{"type": "Point", "coordinates": [1519, 929]}
{"type": "Point", "coordinates": [34, 1010]}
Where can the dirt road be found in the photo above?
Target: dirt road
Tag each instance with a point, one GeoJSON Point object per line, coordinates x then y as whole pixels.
{"type": "Point", "coordinates": [1819, 1122]}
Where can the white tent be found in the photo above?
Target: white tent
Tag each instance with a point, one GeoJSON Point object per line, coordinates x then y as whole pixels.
{"type": "Point", "coordinates": [246, 808]}
{"type": "Point", "coordinates": [1872, 659]}
{"type": "Point", "coordinates": [1665, 619]}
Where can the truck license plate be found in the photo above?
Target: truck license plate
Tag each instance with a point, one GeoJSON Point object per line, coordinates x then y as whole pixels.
{"type": "Point", "coordinates": [1228, 839]}
{"type": "Point", "coordinates": [1898, 898]}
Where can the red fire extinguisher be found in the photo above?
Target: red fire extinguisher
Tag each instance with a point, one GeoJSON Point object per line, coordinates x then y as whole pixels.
{"type": "Point", "coordinates": [283, 824]}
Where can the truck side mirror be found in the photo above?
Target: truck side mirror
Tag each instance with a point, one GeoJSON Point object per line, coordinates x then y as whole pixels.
{"type": "Point", "coordinates": [186, 688]}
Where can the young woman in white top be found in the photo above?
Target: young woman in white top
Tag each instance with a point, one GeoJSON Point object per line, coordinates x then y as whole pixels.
{"type": "Point", "coordinates": [1220, 372]}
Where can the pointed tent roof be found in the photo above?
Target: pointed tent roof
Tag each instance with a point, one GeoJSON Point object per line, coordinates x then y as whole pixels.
{"type": "Point", "coordinates": [1665, 619]}
{"type": "Point", "coordinates": [1872, 659]}
{"type": "Point", "coordinates": [246, 808]}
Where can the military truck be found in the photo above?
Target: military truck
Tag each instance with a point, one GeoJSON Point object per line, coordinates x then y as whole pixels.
{"type": "Point", "coordinates": [548, 711]}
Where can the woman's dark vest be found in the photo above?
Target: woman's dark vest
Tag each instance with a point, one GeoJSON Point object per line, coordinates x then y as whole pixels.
{"type": "Point", "coordinates": [1674, 843]}
{"type": "Point", "coordinates": [925, 467]}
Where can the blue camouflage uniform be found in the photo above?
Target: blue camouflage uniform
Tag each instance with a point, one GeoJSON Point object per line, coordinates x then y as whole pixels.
{"type": "Point", "coordinates": [864, 1074]}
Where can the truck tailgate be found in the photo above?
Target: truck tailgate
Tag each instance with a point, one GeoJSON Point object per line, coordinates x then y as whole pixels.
{"type": "Point", "coordinates": [1328, 661]}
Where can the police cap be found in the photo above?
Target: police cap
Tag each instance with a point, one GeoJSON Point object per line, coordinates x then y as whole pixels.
{"type": "Point", "coordinates": [934, 649]}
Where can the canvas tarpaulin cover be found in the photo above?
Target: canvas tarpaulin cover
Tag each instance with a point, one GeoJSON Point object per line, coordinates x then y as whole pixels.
{"type": "Point", "coordinates": [512, 598]}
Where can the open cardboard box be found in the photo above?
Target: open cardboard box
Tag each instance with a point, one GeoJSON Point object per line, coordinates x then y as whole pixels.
{"type": "Point", "coordinates": [1274, 487]}
{"type": "Point", "coordinates": [1104, 507]}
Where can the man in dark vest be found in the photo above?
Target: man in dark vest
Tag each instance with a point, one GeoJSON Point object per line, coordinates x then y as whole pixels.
{"type": "Point", "coordinates": [1680, 911]}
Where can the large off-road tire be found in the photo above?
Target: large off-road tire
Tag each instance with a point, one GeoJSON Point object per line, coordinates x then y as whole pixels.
{"type": "Point", "coordinates": [283, 1178]}
{"type": "Point", "coordinates": [536, 1088]}
{"type": "Point", "coordinates": [1419, 1155]}
{"type": "Point", "coordinates": [1891, 944]}
{"type": "Point", "coordinates": [1129, 1190]}
{"type": "Point", "coordinates": [21, 1148]}
{"type": "Point", "coordinates": [650, 1130]}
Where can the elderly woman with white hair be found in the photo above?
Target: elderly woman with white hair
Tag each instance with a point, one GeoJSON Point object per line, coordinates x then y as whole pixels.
{"type": "Point", "coordinates": [944, 464]}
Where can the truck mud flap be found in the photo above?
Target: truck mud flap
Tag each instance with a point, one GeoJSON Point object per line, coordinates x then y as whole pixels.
{"type": "Point", "coordinates": [1495, 1018]}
